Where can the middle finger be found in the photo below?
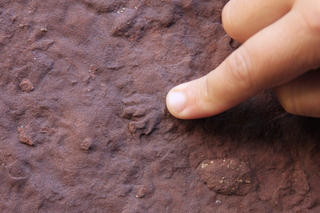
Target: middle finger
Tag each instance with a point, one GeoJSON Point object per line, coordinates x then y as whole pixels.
{"type": "Point", "coordinates": [243, 18]}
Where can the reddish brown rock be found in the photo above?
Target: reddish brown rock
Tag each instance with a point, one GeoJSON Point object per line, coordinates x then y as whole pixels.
{"type": "Point", "coordinates": [86, 144]}
{"type": "Point", "coordinates": [25, 136]}
{"type": "Point", "coordinates": [26, 85]}
{"type": "Point", "coordinates": [101, 70]}
{"type": "Point", "coordinates": [227, 176]}
{"type": "Point", "coordinates": [144, 191]}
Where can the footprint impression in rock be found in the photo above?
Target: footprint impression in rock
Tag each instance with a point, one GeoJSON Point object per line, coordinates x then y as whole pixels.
{"type": "Point", "coordinates": [226, 176]}
{"type": "Point", "coordinates": [144, 112]}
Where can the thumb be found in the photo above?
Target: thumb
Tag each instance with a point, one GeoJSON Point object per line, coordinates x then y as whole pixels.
{"type": "Point", "coordinates": [267, 59]}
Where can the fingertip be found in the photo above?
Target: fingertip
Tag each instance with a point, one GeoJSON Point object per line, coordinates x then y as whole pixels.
{"type": "Point", "coordinates": [186, 101]}
{"type": "Point", "coordinates": [230, 25]}
{"type": "Point", "coordinates": [176, 102]}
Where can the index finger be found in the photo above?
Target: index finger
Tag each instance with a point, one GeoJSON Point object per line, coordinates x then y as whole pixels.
{"type": "Point", "coordinates": [273, 56]}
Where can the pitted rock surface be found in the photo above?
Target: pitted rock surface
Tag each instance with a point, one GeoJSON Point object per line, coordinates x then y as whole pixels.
{"type": "Point", "coordinates": [84, 127]}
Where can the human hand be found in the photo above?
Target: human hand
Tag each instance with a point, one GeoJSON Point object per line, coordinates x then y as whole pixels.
{"type": "Point", "coordinates": [281, 44]}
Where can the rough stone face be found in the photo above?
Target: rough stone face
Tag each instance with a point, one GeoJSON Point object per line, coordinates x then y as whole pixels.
{"type": "Point", "coordinates": [86, 144]}
{"type": "Point", "coordinates": [102, 138]}
{"type": "Point", "coordinates": [25, 135]}
{"type": "Point", "coordinates": [26, 85]}
{"type": "Point", "coordinates": [227, 176]}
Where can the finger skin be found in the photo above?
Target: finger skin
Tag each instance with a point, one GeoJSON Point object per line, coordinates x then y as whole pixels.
{"type": "Point", "coordinates": [302, 95]}
{"type": "Point", "coordinates": [243, 18]}
{"type": "Point", "coordinates": [266, 60]}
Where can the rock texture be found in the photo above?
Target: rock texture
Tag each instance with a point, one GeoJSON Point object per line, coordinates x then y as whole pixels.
{"type": "Point", "coordinates": [84, 128]}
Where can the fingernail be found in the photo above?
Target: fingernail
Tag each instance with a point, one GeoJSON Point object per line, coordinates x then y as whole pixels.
{"type": "Point", "coordinates": [176, 101]}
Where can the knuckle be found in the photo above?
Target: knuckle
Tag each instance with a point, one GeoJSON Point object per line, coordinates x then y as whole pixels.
{"type": "Point", "coordinates": [206, 94]}
{"type": "Point", "coordinates": [239, 69]}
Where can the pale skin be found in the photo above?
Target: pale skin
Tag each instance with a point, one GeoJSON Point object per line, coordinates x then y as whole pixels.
{"type": "Point", "coordinates": [280, 50]}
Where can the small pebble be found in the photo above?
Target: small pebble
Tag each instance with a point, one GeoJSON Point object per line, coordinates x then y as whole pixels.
{"type": "Point", "coordinates": [26, 85]}
{"type": "Point", "coordinates": [85, 144]}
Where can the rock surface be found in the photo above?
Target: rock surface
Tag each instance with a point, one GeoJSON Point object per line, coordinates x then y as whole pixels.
{"type": "Point", "coordinates": [102, 139]}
